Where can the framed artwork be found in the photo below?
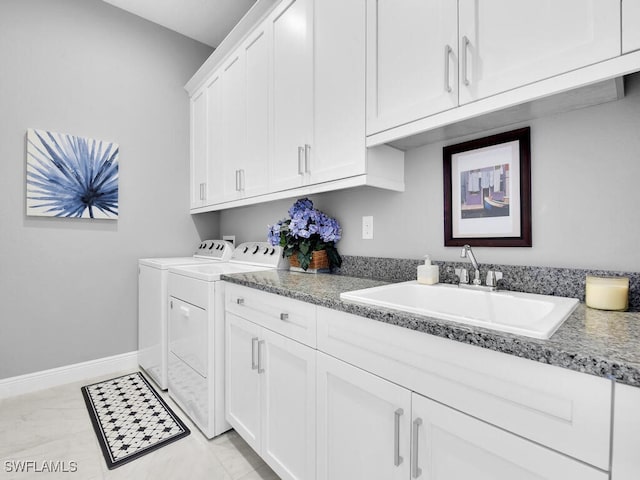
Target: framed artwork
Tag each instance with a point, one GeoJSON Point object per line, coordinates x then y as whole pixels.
{"type": "Point", "coordinates": [69, 176]}
{"type": "Point", "coordinates": [487, 191]}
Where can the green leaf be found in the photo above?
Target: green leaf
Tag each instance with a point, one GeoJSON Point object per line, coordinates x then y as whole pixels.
{"type": "Point", "coordinates": [304, 259]}
{"type": "Point", "coordinates": [334, 257]}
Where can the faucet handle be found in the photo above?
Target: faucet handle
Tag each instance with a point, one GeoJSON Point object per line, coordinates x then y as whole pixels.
{"type": "Point", "coordinates": [492, 278]}
{"type": "Point", "coordinates": [463, 275]}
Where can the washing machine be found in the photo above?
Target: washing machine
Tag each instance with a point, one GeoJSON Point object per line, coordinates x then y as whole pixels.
{"type": "Point", "coordinates": [152, 304]}
{"type": "Point", "coordinates": [196, 332]}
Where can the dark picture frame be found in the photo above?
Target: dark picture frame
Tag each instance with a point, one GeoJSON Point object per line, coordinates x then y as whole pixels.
{"type": "Point", "coordinates": [487, 191]}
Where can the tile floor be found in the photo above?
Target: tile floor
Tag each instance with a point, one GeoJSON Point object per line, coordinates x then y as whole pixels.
{"type": "Point", "coordinates": [53, 426]}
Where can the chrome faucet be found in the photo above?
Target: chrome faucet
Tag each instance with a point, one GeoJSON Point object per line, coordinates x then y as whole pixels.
{"type": "Point", "coordinates": [468, 253]}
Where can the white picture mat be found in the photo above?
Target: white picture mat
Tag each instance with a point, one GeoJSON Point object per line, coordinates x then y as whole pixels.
{"type": "Point", "coordinates": [507, 226]}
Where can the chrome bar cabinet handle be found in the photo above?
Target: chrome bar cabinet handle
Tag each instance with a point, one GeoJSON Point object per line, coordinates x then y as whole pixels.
{"type": "Point", "coordinates": [307, 158]}
{"type": "Point", "coordinates": [416, 471]}
{"type": "Point", "coordinates": [397, 459]}
{"type": "Point", "coordinates": [300, 160]}
{"type": "Point", "coordinates": [447, 56]}
{"type": "Point", "coordinates": [465, 48]}
{"type": "Point", "coordinates": [260, 369]}
{"type": "Point", "coordinates": [254, 365]}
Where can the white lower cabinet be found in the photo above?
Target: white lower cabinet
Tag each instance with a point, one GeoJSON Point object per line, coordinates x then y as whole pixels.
{"type": "Point", "coordinates": [242, 381]}
{"type": "Point", "coordinates": [357, 399]}
{"type": "Point", "coordinates": [369, 428]}
{"type": "Point", "coordinates": [271, 396]}
{"type": "Point", "coordinates": [625, 463]}
{"type": "Point", "coordinates": [449, 445]}
{"type": "Point", "coordinates": [363, 424]}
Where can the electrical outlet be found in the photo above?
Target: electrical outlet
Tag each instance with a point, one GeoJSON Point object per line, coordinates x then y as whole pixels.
{"type": "Point", "coordinates": [367, 228]}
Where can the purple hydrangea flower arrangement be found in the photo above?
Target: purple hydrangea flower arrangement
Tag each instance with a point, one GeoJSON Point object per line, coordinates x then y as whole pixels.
{"type": "Point", "coordinates": [305, 231]}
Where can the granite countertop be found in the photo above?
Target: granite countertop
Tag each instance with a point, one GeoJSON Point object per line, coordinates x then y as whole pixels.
{"type": "Point", "coordinates": [605, 344]}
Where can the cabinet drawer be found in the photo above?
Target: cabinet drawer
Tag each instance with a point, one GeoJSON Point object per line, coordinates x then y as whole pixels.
{"type": "Point", "coordinates": [289, 317]}
{"type": "Point", "coordinates": [564, 410]}
{"type": "Point", "coordinates": [188, 289]}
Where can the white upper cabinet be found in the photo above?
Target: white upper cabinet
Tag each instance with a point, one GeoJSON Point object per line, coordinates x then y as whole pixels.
{"type": "Point", "coordinates": [504, 45]}
{"type": "Point", "coordinates": [319, 105]}
{"type": "Point", "coordinates": [234, 128]}
{"type": "Point", "coordinates": [292, 111]}
{"type": "Point", "coordinates": [198, 161]}
{"type": "Point", "coordinates": [339, 54]}
{"type": "Point", "coordinates": [630, 25]}
{"type": "Point", "coordinates": [412, 60]}
{"type": "Point", "coordinates": [430, 57]}
{"type": "Point", "coordinates": [254, 178]}
{"type": "Point", "coordinates": [215, 159]}
{"type": "Point", "coordinates": [206, 144]}
{"type": "Point", "coordinates": [292, 107]}
{"type": "Point", "coordinates": [245, 114]}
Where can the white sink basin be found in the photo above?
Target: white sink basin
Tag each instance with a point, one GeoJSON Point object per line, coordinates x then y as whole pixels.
{"type": "Point", "coordinates": [537, 316]}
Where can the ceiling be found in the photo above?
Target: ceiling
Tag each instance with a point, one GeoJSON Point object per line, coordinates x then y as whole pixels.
{"type": "Point", "coordinates": [207, 21]}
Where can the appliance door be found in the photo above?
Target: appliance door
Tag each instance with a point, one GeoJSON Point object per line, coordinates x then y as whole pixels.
{"type": "Point", "coordinates": [188, 334]}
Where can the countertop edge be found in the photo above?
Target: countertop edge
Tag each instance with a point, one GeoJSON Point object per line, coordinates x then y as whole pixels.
{"type": "Point", "coordinates": [542, 351]}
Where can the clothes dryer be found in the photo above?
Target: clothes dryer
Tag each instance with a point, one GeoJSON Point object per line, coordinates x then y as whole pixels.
{"type": "Point", "coordinates": [152, 304]}
{"type": "Point", "coordinates": [196, 332]}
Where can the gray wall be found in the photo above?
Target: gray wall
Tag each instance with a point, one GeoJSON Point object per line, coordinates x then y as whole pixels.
{"type": "Point", "coordinates": [68, 288]}
{"type": "Point", "coordinates": [585, 179]}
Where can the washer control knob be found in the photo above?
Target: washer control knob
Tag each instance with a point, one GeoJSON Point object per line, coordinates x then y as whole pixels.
{"type": "Point", "coordinates": [245, 249]}
{"type": "Point", "coordinates": [266, 250]}
{"type": "Point", "coordinates": [273, 250]}
{"type": "Point", "coordinates": [256, 249]}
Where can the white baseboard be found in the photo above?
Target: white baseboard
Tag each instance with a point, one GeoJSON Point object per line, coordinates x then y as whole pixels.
{"type": "Point", "coordinates": [32, 382]}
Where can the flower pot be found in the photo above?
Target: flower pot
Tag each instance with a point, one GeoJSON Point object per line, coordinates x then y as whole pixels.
{"type": "Point", "coordinates": [319, 262]}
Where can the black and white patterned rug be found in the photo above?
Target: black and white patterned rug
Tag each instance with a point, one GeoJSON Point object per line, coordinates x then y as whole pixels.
{"type": "Point", "coordinates": [130, 419]}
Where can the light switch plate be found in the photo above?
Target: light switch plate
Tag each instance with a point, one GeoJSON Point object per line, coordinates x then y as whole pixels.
{"type": "Point", "coordinates": [367, 228]}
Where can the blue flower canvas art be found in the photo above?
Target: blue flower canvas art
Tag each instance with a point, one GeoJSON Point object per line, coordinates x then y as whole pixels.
{"type": "Point", "coordinates": [69, 176]}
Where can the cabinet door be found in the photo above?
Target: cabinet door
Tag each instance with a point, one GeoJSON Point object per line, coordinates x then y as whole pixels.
{"type": "Point", "coordinates": [626, 433]}
{"type": "Point", "coordinates": [412, 44]}
{"type": "Point", "coordinates": [363, 424]}
{"type": "Point", "coordinates": [449, 445]}
{"type": "Point", "coordinates": [504, 45]}
{"type": "Point", "coordinates": [630, 25]}
{"type": "Point", "coordinates": [339, 48]}
{"type": "Point", "coordinates": [292, 37]}
{"type": "Point", "coordinates": [215, 159]}
{"type": "Point", "coordinates": [242, 380]}
{"type": "Point", "coordinates": [253, 177]}
{"type": "Point", "coordinates": [198, 160]}
{"type": "Point", "coordinates": [288, 406]}
{"type": "Point", "coordinates": [234, 125]}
